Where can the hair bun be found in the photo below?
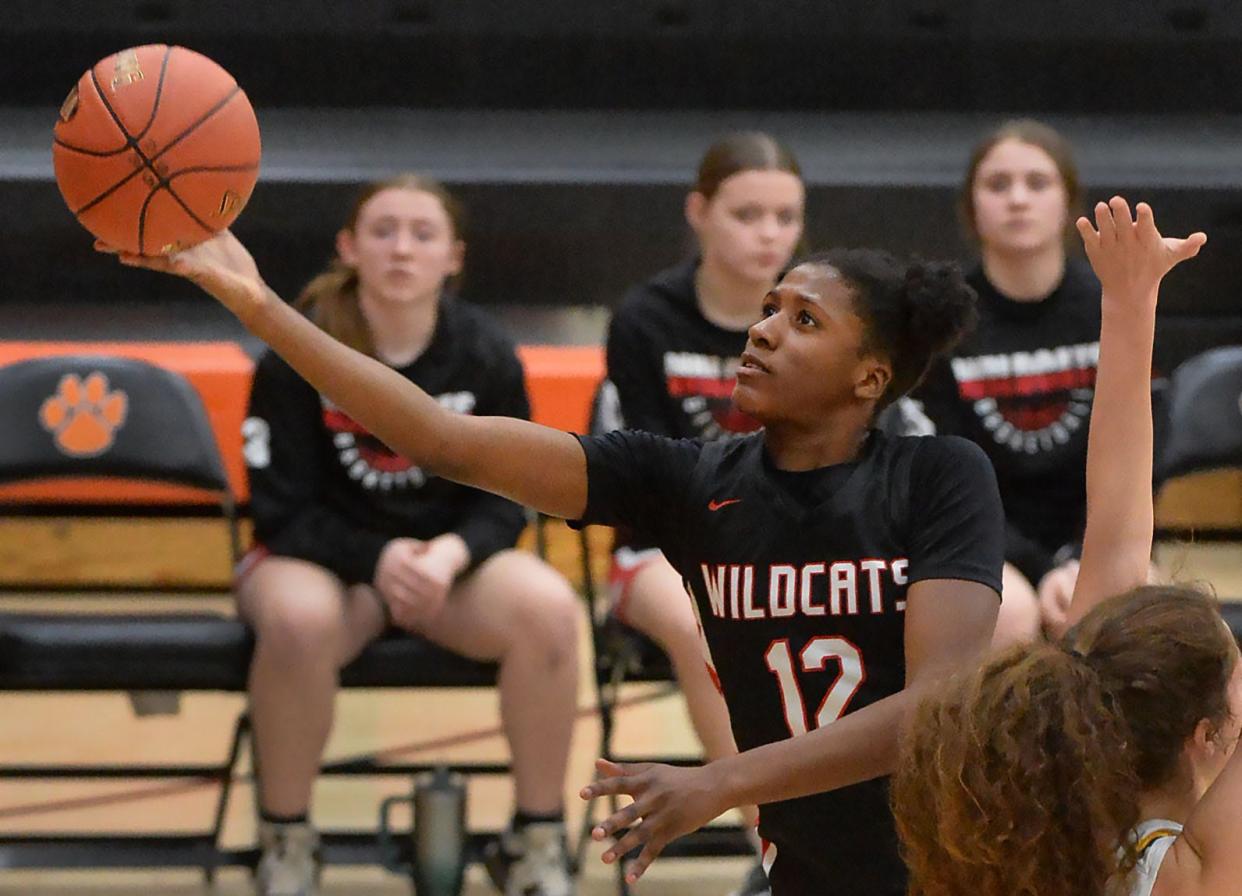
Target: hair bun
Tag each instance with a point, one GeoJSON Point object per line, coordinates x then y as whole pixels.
{"type": "Point", "coordinates": [940, 304]}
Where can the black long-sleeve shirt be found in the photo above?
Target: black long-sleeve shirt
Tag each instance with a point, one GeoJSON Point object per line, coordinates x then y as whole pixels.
{"type": "Point", "coordinates": [323, 489]}
{"type": "Point", "coordinates": [1021, 387]}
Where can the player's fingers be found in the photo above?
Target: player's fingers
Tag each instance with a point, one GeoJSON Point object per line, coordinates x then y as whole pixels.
{"type": "Point", "coordinates": [610, 769]}
{"type": "Point", "coordinates": [1189, 247]}
{"type": "Point", "coordinates": [617, 821]}
{"type": "Point", "coordinates": [632, 839]}
{"type": "Point", "coordinates": [1123, 221]}
{"type": "Point", "coordinates": [650, 853]}
{"type": "Point", "coordinates": [1145, 223]}
{"type": "Point", "coordinates": [1086, 230]}
{"type": "Point", "coordinates": [615, 783]}
{"type": "Point", "coordinates": [610, 787]}
{"type": "Point", "coordinates": [1104, 224]}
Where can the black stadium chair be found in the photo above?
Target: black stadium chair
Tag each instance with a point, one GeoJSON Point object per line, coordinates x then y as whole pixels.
{"type": "Point", "coordinates": [1200, 415]}
{"type": "Point", "coordinates": [149, 424]}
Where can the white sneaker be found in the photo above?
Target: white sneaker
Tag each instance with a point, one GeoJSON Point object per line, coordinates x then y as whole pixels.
{"type": "Point", "coordinates": [530, 862]}
{"type": "Point", "coordinates": [290, 862]}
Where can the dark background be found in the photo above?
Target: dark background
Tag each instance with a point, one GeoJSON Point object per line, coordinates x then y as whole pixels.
{"type": "Point", "coordinates": [571, 128]}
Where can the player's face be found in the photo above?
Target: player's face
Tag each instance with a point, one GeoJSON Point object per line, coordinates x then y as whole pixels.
{"type": "Point", "coordinates": [805, 355]}
{"type": "Point", "coordinates": [1231, 730]}
{"type": "Point", "coordinates": [750, 226]}
{"type": "Point", "coordinates": [1019, 199]}
{"type": "Point", "coordinates": [403, 246]}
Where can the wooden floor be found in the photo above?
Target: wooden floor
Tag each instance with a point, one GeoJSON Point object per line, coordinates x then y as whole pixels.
{"type": "Point", "coordinates": [406, 725]}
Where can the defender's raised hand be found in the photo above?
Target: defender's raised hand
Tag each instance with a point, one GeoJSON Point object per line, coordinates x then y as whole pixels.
{"type": "Point", "coordinates": [1128, 253]}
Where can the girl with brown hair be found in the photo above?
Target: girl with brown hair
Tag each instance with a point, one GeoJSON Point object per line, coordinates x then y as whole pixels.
{"type": "Point", "coordinates": [1102, 763]}
{"type": "Point", "coordinates": [353, 536]}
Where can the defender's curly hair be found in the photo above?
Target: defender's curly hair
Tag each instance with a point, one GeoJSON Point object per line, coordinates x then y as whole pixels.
{"type": "Point", "coordinates": [1023, 778]}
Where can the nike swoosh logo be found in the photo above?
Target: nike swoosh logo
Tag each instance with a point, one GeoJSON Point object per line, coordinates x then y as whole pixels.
{"type": "Point", "coordinates": [716, 505]}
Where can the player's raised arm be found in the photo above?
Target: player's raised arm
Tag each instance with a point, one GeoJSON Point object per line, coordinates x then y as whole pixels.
{"type": "Point", "coordinates": [1131, 258]}
{"type": "Point", "coordinates": [534, 465]}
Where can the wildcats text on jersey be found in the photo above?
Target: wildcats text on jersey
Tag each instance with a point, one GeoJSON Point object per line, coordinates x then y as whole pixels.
{"type": "Point", "coordinates": [823, 588]}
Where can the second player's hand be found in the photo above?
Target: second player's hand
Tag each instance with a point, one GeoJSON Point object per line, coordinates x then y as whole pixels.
{"type": "Point", "coordinates": [669, 802]}
{"type": "Point", "coordinates": [1128, 254]}
{"type": "Point", "coordinates": [221, 266]}
{"type": "Point", "coordinates": [1055, 591]}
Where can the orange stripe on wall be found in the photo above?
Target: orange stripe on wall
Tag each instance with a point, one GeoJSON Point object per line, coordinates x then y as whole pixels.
{"type": "Point", "coordinates": [561, 381]}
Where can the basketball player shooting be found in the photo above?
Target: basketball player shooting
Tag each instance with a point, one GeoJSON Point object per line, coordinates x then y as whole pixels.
{"type": "Point", "coordinates": [836, 572]}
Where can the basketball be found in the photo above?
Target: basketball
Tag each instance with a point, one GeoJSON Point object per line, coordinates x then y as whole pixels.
{"type": "Point", "coordinates": [156, 149]}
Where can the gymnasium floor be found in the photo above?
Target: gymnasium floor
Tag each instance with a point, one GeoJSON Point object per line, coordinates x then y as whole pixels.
{"type": "Point", "coordinates": [49, 728]}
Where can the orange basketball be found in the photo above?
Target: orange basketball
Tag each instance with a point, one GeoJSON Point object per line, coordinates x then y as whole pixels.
{"type": "Point", "coordinates": [156, 149]}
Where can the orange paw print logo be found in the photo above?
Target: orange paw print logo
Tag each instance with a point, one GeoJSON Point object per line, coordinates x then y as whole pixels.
{"type": "Point", "coordinates": [84, 416]}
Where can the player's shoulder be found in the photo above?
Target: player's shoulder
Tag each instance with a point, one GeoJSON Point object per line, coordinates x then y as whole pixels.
{"type": "Point", "coordinates": [930, 453]}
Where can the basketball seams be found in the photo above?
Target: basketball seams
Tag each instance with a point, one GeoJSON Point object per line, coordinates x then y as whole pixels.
{"type": "Point", "coordinates": [197, 124]}
{"type": "Point", "coordinates": [208, 169]}
{"type": "Point", "coordinates": [99, 154]}
{"type": "Point", "coordinates": [159, 91]}
{"type": "Point", "coordinates": [129, 138]}
{"type": "Point", "coordinates": [189, 211]}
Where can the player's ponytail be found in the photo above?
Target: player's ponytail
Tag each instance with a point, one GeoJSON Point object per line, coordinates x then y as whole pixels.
{"type": "Point", "coordinates": [913, 311]}
{"type": "Point", "coordinates": [1013, 780]}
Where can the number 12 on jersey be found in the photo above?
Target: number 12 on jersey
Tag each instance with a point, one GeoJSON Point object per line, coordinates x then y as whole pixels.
{"type": "Point", "coordinates": [814, 657]}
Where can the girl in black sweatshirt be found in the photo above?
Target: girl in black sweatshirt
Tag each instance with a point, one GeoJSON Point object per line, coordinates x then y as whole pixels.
{"type": "Point", "coordinates": [351, 537]}
{"type": "Point", "coordinates": [1021, 386]}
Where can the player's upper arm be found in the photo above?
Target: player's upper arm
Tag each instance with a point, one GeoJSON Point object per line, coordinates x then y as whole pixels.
{"type": "Point", "coordinates": [1181, 873]}
{"type": "Point", "coordinates": [948, 622]}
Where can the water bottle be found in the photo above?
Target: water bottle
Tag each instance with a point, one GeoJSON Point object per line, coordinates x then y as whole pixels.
{"type": "Point", "coordinates": [438, 839]}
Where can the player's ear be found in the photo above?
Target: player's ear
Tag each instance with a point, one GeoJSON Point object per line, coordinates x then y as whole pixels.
{"type": "Point", "coordinates": [696, 210]}
{"type": "Point", "coordinates": [457, 258]}
{"type": "Point", "coordinates": [873, 376]}
{"type": "Point", "coordinates": [345, 249]}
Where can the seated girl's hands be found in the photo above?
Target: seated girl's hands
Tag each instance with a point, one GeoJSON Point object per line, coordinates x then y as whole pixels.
{"type": "Point", "coordinates": [1128, 253]}
{"type": "Point", "coordinates": [669, 802]}
{"type": "Point", "coordinates": [221, 266]}
{"type": "Point", "coordinates": [415, 577]}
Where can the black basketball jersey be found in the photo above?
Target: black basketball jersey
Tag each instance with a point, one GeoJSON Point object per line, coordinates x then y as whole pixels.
{"type": "Point", "coordinates": [799, 581]}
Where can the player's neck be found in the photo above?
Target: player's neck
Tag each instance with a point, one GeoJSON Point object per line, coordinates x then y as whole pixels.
{"type": "Point", "coordinates": [728, 301]}
{"type": "Point", "coordinates": [836, 439]}
{"type": "Point", "coordinates": [400, 331]}
{"type": "Point", "coordinates": [1025, 276]}
{"type": "Point", "coordinates": [1168, 803]}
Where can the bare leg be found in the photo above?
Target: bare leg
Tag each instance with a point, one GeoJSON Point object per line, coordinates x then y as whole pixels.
{"type": "Point", "coordinates": [519, 611]}
{"type": "Point", "coordinates": [307, 625]}
{"type": "Point", "coordinates": [658, 606]}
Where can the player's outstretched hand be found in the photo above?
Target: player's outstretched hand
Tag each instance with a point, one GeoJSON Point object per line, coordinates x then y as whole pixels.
{"type": "Point", "coordinates": [669, 802]}
{"type": "Point", "coordinates": [221, 266]}
{"type": "Point", "coordinates": [1128, 253]}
